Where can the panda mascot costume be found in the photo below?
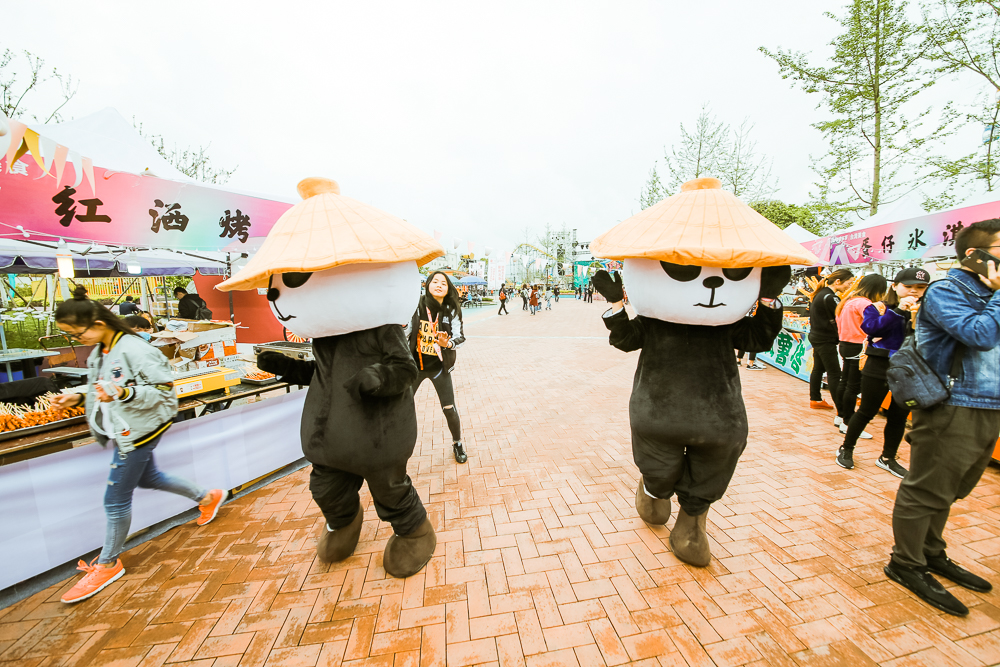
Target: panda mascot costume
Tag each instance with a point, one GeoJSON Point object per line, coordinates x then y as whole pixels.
{"type": "Point", "coordinates": [694, 265]}
{"type": "Point", "coordinates": [345, 275]}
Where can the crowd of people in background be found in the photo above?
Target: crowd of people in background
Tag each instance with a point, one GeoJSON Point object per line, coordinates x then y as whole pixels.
{"type": "Point", "coordinates": [951, 329]}
{"type": "Point", "coordinates": [534, 296]}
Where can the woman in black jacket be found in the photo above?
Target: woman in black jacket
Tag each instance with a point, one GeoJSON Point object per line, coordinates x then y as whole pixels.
{"type": "Point", "coordinates": [824, 338]}
{"type": "Point", "coordinates": [435, 332]}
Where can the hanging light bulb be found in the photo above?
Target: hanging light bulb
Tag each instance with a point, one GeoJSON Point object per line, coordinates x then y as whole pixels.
{"type": "Point", "coordinates": [64, 260]}
{"type": "Point", "coordinates": [132, 263]}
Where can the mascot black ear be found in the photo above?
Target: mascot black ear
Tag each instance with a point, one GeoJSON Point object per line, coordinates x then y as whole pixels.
{"type": "Point", "coordinates": [773, 279]}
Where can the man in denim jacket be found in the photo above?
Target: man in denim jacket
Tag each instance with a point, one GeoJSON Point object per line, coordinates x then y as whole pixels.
{"type": "Point", "coordinates": [950, 444]}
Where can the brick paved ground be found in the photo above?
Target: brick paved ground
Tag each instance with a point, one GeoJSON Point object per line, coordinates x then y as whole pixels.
{"type": "Point", "coordinates": [541, 559]}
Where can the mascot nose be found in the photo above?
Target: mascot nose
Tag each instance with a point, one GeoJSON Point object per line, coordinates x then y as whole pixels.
{"type": "Point", "coordinates": [712, 282]}
{"type": "Point", "coordinates": [273, 294]}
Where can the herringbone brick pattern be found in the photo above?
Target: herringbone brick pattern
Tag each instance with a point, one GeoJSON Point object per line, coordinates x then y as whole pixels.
{"type": "Point", "coordinates": [541, 559]}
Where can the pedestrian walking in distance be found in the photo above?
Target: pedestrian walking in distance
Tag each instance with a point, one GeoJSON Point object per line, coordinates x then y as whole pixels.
{"type": "Point", "coordinates": [502, 296]}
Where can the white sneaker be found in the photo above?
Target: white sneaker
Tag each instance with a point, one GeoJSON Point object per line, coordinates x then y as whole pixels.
{"type": "Point", "coordinates": [837, 421]}
{"type": "Point", "coordinates": [865, 435]}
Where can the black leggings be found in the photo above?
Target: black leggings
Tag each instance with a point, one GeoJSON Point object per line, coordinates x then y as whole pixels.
{"type": "Point", "coordinates": [825, 358]}
{"type": "Point", "coordinates": [503, 307]}
{"type": "Point", "coordinates": [446, 394]}
{"type": "Point", "coordinates": [873, 392]}
{"type": "Point", "coordinates": [740, 353]}
{"type": "Point", "coordinates": [850, 382]}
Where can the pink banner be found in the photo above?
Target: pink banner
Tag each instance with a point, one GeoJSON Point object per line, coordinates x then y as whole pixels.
{"type": "Point", "coordinates": [931, 235]}
{"type": "Point", "coordinates": [124, 209]}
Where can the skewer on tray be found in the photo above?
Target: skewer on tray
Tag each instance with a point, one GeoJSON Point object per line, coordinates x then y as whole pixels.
{"type": "Point", "coordinates": [14, 417]}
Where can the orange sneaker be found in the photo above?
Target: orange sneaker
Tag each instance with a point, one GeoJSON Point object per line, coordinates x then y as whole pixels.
{"type": "Point", "coordinates": [209, 511]}
{"type": "Point", "coordinates": [820, 405]}
{"type": "Point", "coordinates": [98, 577]}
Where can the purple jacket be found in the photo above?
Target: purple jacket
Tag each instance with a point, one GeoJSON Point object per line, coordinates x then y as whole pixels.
{"type": "Point", "coordinates": [889, 329]}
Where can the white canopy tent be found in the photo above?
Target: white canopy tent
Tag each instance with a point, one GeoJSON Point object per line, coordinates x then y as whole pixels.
{"type": "Point", "coordinates": [799, 234]}
{"type": "Point", "coordinates": [114, 143]}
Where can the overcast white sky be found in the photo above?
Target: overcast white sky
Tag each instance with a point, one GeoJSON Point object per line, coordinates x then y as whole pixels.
{"type": "Point", "coordinates": [475, 119]}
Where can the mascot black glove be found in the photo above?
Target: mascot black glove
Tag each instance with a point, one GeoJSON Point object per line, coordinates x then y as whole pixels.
{"type": "Point", "coordinates": [608, 287]}
{"type": "Point", "coordinates": [274, 362]}
{"type": "Point", "coordinates": [773, 279]}
{"type": "Point", "coordinates": [363, 383]}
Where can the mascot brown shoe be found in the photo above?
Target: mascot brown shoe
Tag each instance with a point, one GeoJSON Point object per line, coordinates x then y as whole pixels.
{"type": "Point", "coordinates": [336, 545]}
{"type": "Point", "coordinates": [688, 539]}
{"type": "Point", "coordinates": [655, 511]}
{"type": "Point", "coordinates": [406, 555]}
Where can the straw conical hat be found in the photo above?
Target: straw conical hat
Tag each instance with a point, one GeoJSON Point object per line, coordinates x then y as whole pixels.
{"type": "Point", "coordinates": [326, 230]}
{"type": "Point", "coordinates": [702, 225]}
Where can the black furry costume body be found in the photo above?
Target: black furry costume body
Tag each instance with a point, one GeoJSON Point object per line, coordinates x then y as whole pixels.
{"type": "Point", "coordinates": [688, 419]}
{"type": "Point", "coordinates": [359, 423]}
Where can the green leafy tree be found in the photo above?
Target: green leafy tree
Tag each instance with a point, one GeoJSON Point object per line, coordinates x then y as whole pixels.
{"type": "Point", "coordinates": [964, 38]}
{"type": "Point", "coordinates": [25, 82]}
{"type": "Point", "coordinates": [653, 191]}
{"type": "Point", "coordinates": [743, 170]}
{"type": "Point", "coordinates": [192, 162]}
{"type": "Point", "coordinates": [712, 149]}
{"type": "Point", "coordinates": [877, 149]}
{"type": "Point", "coordinates": [783, 215]}
{"type": "Point", "coordinates": [699, 152]}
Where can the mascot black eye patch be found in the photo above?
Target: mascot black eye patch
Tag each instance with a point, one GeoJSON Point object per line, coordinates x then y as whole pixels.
{"type": "Point", "coordinates": [736, 274]}
{"type": "Point", "coordinates": [682, 273]}
{"type": "Point", "coordinates": [294, 280]}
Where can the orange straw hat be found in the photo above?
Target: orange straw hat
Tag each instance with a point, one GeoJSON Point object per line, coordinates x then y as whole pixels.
{"type": "Point", "coordinates": [703, 225]}
{"type": "Point", "coordinates": [326, 230]}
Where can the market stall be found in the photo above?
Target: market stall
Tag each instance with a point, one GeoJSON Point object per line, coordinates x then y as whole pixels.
{"type": "Point", "coordinates": [902, 234]}
{"type": "Point", "coordinates": [91, 198]}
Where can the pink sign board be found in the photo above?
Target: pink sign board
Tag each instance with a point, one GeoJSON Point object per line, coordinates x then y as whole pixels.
{"type": "Point", "coordinates": [128, 210]}
{"type": "Point", "coordinates": [931, 235]}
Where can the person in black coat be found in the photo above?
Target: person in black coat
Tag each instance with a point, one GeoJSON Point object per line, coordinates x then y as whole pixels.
{"type": "Point", "coordinates": [434, 333]}
{"type": "Point", "coordinates": [129, 307]}
{"type": "Point", "coordinates": [188, 304]}
{"type": "Point", "coordinates": [825, 338]}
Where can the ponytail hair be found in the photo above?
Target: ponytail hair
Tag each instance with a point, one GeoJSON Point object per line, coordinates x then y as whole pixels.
{"type": "Point", "coordinates": [872, 287]}
{"type": "Point", "coordinates": [81, 311]}
{"type": "Point", "coordinates": [839, 274]}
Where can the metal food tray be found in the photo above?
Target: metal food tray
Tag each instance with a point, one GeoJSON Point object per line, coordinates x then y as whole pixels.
{"type": "Point", "coordinates": [51, 426]}
{"type": "Point", "coordinates": [259, 383]}
{"type": "Point", "coordinates": [301, 351]}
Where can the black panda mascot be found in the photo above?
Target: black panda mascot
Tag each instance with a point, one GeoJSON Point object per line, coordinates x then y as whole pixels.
{"type": "Point", "coordinates": [345, 274]}
{"type": "Point", "coordinates": [694, 265]}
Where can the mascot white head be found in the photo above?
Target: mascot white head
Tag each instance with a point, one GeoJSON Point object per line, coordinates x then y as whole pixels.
{"type": "Point", "coordinates": [700, 256]}
{"type": "Point", "coordinates": [333, 265]}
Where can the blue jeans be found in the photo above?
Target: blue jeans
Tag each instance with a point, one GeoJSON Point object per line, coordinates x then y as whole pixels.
{"type": "Point", "coordinates": [137, 468]}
